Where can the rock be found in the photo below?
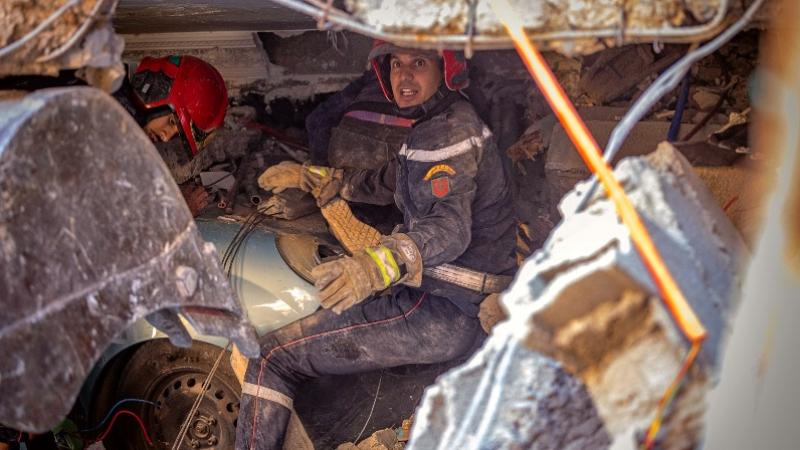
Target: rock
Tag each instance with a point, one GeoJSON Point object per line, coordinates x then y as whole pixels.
{"type": "Point", "coordinates": [380, 440]}
{"type": "Point", "coordinates": [491, 313]}
{"type": "Point", "coordinates": [705, 100]}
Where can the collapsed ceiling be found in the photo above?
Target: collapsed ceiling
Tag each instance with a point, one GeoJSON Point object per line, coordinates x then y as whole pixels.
{"type": "Point", "coordinates": [568, 25]}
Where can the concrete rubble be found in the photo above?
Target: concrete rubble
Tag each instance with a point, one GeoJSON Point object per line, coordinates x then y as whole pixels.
{"type": "Point", "coordinates": [62, 195]}
{"type": "Point", "coordinates": [385, 439]}
{"type": "Point", "coordinates": [541, 15]}
{"type": "Point", "coordinates": [589, 348]}
{"type": "Point", "coordinates": [82, 37]}
{"type": "Point", "coordinates": [713, 131]}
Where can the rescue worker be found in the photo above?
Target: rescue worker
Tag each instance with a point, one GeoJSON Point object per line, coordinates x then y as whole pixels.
{"type": "Point", "coordinates": [378, 309]}
{"type": "Point", "coordinates": [177, 96]}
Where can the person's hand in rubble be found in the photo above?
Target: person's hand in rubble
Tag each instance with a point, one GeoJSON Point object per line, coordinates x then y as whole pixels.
{"type": "Point", "coordinates": [322, 182]}
{"type": "Point", "coordinates": [350, 280]}
{"type": "Point", "coordinates": [196, 197]}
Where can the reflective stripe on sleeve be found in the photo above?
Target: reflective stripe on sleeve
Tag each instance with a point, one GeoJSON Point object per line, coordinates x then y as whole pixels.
{"type": "Point", "coordinates": [445, 153]}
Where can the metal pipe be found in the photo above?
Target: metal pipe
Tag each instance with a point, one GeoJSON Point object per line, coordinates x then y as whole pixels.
{"type": "Point", "coordinates": [484, 42]}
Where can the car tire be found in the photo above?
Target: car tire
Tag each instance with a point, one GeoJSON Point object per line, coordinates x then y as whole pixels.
{"type": "Point", "coordinates": [172, 378]}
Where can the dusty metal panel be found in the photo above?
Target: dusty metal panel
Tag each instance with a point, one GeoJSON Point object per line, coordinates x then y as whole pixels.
{"type": "Point", "coordinates": [94, 235]}
{"type": "Point", "coordinates": [155, 16]}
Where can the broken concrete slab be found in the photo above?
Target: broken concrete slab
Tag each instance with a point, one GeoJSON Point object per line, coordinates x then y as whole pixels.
{"type": "Point", "coordinates": [92, 240]}
{"type": "Point", "coordinates": [587, 301]}
{"type": "Point", "coordinates": [507, 396]}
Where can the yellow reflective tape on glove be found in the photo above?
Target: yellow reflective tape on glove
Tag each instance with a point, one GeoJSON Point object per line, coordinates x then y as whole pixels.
{"type": "Point", "coordinates": [387, 266]}
{"type": "Point", "coordinates": [318, 170]}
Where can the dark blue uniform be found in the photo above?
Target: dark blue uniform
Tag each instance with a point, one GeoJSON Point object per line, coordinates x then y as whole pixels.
{"type": "Point", "coordinates": [456, 205]}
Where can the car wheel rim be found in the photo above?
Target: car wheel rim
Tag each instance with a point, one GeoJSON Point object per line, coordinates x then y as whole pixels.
{"type": "Point", "coordinates": [214, 423]}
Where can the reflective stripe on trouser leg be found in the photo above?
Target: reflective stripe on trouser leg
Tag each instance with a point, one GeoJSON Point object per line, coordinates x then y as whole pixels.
{"type": "Point", "coordinates": [398, 329]}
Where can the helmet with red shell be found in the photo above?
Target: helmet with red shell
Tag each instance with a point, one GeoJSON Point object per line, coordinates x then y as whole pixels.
{"type": "Point", "coordinates": [454, 70]}
{"type": "Point", "coordinates": [192, 88]}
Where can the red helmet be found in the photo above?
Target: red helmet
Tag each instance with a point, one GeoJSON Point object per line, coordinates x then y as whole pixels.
{"type": "Point", "coordinates": [191, 87]}
{"type": "Point", "coordinates": [454, 70]}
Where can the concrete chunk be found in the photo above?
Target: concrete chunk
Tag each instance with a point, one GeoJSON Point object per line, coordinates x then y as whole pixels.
{"type": "Point", "coordinates": [586, 303]}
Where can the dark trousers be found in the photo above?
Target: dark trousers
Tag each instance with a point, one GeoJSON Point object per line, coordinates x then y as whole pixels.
{"type": "Point", "coordinates": [406, 327]}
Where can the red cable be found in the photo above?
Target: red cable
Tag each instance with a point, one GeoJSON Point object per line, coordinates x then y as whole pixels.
{"type": "Point", "coordinates": [114, 419]}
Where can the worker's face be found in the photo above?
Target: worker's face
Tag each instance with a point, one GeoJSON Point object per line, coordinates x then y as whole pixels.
{"type": "Point", "coordinates": [415, 77]}
{"type": "Point", "coordinates": [162, 128]}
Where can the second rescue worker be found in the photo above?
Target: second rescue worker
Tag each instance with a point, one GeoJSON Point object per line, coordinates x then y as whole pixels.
{"type": "Point", "coordinates": [457, 225]}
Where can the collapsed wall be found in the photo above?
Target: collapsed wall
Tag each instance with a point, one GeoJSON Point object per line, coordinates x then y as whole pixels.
{"type": "Point", "coordinates": [585, 318]}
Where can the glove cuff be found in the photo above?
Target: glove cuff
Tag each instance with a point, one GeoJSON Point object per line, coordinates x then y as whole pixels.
{"type": "Point", "coordinates": [388, 270]}
{"type": "Point", "coordinates": [407, 254]}
{"type": "Point", "coordinates": [323, 182]}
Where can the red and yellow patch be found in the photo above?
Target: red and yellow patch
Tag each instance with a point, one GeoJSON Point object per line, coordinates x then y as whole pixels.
{"type": "Point", "coordinates": [440, 187]}
{"type": "Point", "coordinates": [439, 168]}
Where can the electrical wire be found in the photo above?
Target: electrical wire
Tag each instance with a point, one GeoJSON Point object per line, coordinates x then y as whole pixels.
{"type": "Point", "coordinates": [680, 107]}
{"type": "Point", "coordinates": [680, 310]}
{"type": "Point", "coordinates": [372, 410]}
{"type": "Point", "coordinates": [663, 85]}
{"type": "Point", "coordinates": [228, 259]}
{"type": "Point", "coordinates": [108, 414]}
{"type": "Point", "coordinates": [19, 43]}
{"type": "Point", "coordinates": [132, 414]}
{"type": "Point", "coordinates": [669, 395]}
{"type": "Point", "coordinates": [199, 399]}
{"type": "Point", "coordinates": [77, 34]}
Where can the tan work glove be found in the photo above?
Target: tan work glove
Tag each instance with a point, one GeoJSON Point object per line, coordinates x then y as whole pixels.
{"type": "Point", "coordinates": [350, 280]}
{"type": "Point", "coordinates": [281, 176]}
{"type": "Point", "coordinates": [322, 182]}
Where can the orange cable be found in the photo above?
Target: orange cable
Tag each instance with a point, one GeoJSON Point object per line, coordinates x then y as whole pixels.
{"type": "Point", "coordinates": [590, 152]}
{"type": "Point", "coordinates": [669, 395]}
{"type": "Point", "coordinates": [587, 147]}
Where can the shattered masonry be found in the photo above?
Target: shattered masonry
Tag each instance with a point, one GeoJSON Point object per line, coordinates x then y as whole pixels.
{"type": "Point", "coordinates": [588, 309]}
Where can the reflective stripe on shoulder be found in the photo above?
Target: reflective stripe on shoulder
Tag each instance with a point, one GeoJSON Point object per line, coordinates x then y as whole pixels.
{"type": "Point", "coordinates": [445, 153]}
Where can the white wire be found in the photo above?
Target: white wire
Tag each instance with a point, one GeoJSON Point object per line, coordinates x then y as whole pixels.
{"type": "Point", "coordinates": [78, 34]}
{"type": "Point", "coordinates": [664, 84]}
{"type": "Point", "coordinates": [371, 410]}
{"type": "Point", "coordinates": [19, 43]}
{"type": "Point", "coordinates": [198, 400]}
